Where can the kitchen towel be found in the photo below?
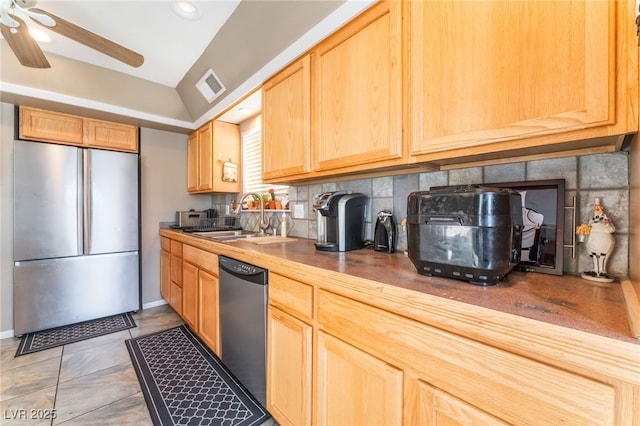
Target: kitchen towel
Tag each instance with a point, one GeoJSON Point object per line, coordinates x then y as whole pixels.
{"type": "Point", "coordinates": [47, 339]}
{"type": "Point", "coordinates": [184, 383]}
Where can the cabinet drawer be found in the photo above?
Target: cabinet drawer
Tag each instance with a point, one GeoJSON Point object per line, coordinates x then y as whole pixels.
{"type": "Point", "coordinates": [202, 259]}
{"type": "Point", "coordinates": [165, 244]}
{"type": "Point", "coordinates": [176, 248]}
{"type": "Point", "coordinates": [292, 296]}
{"type": "Point", "coordinates": [511, 387]}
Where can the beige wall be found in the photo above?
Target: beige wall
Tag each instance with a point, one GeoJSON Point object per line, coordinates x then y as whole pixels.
{"type": "Point", "coordinates": [6, 217]}
{"type": "Point", "coordinates": [163, 190]}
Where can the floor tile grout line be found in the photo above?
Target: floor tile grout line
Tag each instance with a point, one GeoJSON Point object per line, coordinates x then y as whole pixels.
{"type": "Point", "coordinates": [58, 384]}
{"type": "Point", "coordinates": [55, 395]}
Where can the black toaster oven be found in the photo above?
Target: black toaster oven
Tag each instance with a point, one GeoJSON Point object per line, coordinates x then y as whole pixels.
{"type": "Point", "coordinates": [471, 233]}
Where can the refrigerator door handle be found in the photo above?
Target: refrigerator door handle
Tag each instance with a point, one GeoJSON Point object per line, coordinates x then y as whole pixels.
{"type": "Point", "coordinates": [86, 220]}
{"type": "Point", "coordinates": [80, 201]}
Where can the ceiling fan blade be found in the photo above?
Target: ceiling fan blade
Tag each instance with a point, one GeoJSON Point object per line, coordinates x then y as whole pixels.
{"type": "Point", "coordinates": [24, 46]}
{"type": "Point", "coordinates": [92, 40]}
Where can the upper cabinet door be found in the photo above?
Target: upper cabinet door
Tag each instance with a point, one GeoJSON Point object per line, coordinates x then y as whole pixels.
{"type": "Point", "coordinates": [115, 136]}
{"type": "Point", "coordinates": [490, 71]}
{"type": "Point", "coordinates": [356, 91]}
{"type": "Point", "coordinates": [47, 126]}
{"type": "Point", "coordinates": [212, 151]}
{"type": "Point", "coordinates": [205, 157]}
{"type": "Point", "coordinates": [286, 100]}
{"type": "Point", "coordinates": [226, 153]}
{"type": "Point", "coordinates": [192, 162]}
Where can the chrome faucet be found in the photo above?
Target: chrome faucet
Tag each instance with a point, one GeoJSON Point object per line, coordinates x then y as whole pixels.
{"type": "Point", "coordinates": [264, 222]}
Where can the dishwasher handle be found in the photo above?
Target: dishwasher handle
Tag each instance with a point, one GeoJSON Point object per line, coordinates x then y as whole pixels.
{"type": "Point", "coordinates": [242, 270]}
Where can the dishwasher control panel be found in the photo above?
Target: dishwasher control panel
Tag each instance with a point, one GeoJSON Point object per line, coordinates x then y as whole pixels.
{"type": "Point", "coordinates": [239, 268]}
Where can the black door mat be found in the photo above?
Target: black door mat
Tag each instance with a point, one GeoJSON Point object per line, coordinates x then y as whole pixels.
{"type": "Point", "coordinates": [47, 339]}
{"type": "Point", "coordinates": [184, 383]}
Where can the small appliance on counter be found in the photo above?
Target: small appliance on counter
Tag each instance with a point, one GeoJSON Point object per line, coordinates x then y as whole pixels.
{"type": "Point", "coordinates": [205, 220]}
{"type": "Point", "coordinates": [340, 220]}
{"type": "Point", "coordinates": [385, 232]}
{"type": "Point", "coordinates": [470, 233]}
{"type": "Point", "coordinates": [189, 218]}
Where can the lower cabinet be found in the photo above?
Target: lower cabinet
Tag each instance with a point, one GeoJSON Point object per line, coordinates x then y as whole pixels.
{"type": "Point", "coordinates": [200, 295]}
{"type": "Point", "coordinates": [333, 360]}
{"type": "Point", "coordinates": [175, 273]}
{"type": "Point", "coordinates": [354, 387]}
{"type": "Point", "coordinates": [189, 282]}
{"type": "Point", "coordinates": [165, 268]}
{"type": "Point", "coordinates": [336, 358]}
{"type": "Point", "coordinates": [208, 312]}
{"type": "Point", "coordinates": [190, 294]}
{"type": "Point", "coordinates": [289, 350]}
{"type": "Point", "coordinates": [430, 406]}
{"type": "Point", "coordinates": [363, 352]}
{"type": "Point", "coordinates": [289, 368]}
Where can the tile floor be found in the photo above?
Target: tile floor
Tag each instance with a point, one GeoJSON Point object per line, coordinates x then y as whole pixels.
{"type": "Point", "coordinates": [91, 382]}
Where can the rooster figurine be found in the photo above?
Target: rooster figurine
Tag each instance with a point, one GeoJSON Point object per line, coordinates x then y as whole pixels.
{"type": "Point", "coordinates": [600, 242]}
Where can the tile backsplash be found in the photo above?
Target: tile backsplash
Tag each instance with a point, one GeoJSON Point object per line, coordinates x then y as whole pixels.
{"type": "Point", "coordinates": [586, 177]}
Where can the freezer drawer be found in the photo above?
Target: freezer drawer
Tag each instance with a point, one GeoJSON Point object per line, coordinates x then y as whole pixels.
{"type": "Point", "coordinates": [55, 292]}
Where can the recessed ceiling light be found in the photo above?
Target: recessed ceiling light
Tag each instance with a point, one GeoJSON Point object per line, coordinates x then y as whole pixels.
{"type": "Point", "coordinates": [245, 110]}
{"type": "Point", "coordinates": [185, 9]}
{"type": "Point", "coordinates": [40, 36]}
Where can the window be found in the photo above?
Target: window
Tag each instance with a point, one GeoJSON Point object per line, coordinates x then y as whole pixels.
{"type": "Point", "coordinates": [252, 164]}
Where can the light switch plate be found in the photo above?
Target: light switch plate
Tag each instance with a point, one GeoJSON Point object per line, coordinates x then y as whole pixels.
{"type": "Point", "coordinates": [298, 211]}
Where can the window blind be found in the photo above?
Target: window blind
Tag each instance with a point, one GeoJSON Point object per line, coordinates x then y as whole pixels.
{"type": "Point", "coordinates": [252, 165]}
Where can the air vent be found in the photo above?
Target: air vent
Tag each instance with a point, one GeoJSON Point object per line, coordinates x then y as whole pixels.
{"type": "Point", "coordinates": [210, 86]}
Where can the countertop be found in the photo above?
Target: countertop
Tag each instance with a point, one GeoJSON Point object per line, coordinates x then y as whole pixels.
{"type": "Point", "coordinates": [567, 301]}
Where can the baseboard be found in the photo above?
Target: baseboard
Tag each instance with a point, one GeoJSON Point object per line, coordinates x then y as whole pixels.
{"type": "Point", "coordinates": [154, 304]}
{"type": "Point", "coordinates": [6, 334]}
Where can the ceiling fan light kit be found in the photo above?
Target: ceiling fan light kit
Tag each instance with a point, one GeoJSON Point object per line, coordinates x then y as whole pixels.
{"type": "Point", "coordinates": [15, 31]}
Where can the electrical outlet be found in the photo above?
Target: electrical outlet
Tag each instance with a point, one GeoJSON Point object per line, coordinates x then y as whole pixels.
{"type": "Point", "coordinates": [298, 211]}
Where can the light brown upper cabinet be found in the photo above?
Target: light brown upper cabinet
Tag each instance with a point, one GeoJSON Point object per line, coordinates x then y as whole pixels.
{"type": "Point", "coordinates": [338, 109]}
{"type": "Point", "coordinates": [48, 126]}
{"type": "Point", "coordinates": [103, 134]}
{"type": "Point", "coordinates": [517, 76]}
{"type": "Point", "coordinates": [286, 103]}
{"type": "Point", "coordinates": [356, 93]}
{"type": "Point", "coordinates": [212, 152]}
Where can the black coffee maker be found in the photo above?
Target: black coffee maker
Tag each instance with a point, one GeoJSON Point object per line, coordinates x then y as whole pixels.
{"type": "Point", "coordinates": [385, 233]}
{"type": "Point", "coordinates": [340, 220]}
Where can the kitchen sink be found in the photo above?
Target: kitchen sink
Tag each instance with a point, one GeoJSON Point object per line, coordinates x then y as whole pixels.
{"type": "Point", "coordinates": [225, 235]}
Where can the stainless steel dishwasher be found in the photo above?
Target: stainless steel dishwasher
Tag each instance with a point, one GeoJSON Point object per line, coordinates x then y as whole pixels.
{"type": "Point", "coordinates": [243, 323]}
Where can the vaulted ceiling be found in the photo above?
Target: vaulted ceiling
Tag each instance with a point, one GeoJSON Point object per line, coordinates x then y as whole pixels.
{"type": "Point", "coordinates": [243, 42]}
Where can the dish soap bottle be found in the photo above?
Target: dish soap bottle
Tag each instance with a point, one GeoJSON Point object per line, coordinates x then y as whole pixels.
{"type": "Point", "coordinates": [283, 225]}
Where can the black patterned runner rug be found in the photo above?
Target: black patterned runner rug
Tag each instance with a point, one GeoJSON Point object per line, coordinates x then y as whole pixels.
{"type": "Point", "coordinates": [47, 339]}
{"type": "Point", "coordinates": [184, 383]}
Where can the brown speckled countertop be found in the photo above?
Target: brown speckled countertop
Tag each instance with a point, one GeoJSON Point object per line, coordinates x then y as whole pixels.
{"type": "Point", "coordinates": [567, 301]}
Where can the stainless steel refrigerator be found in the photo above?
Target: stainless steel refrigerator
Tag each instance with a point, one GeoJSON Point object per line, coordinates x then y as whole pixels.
{"type": "Point", "coordinates": [76, 235]}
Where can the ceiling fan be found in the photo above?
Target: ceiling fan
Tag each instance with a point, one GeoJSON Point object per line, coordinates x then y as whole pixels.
{"type": "Point", "coordinates": [15, 32]}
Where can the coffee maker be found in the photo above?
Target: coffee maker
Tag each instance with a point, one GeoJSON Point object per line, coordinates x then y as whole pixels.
{"type": "Point", "coordinates": [340, 220]}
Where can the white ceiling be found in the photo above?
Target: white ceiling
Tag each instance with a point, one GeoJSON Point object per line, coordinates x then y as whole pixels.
{"type": "Point", "coordinates": [169, 43]}
{"type": "Point", "coordinates": [252, 44]}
